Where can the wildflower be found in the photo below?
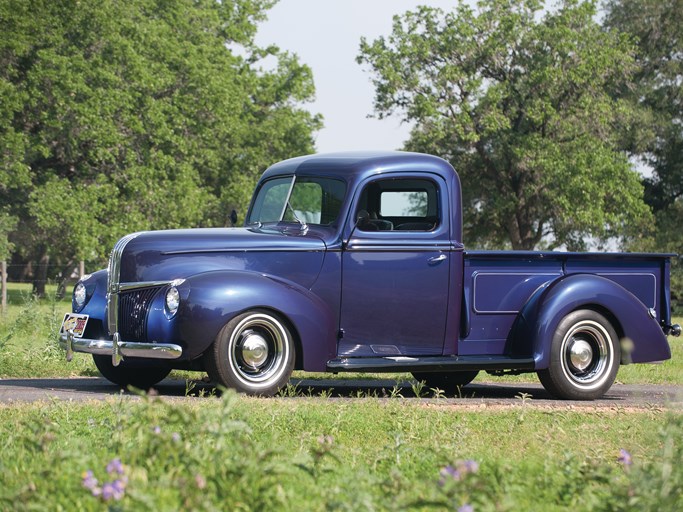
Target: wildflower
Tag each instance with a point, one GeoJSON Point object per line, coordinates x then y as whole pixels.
{"type": "Point", "coordinates": [109, 490]}
{"type": "Point", "coordinates": [115, 466]}
{"type": "Point", "coordinates": [326, 440]}
{"type": "Point", "coordinates": [449, 473]}
{"type": "Point", "coordinates": [119, 487]}
{"type": "Point", "coordinates": [459, 471]}
{"type": "Point", "coordinates": [89, 480]}
{"type": "Point", "coordinates": [157, 430]}
{"type": "Point", "coordinates": [469, 466]}
{"type": "Point", "coordinates": [175, 437]}
{"type": "Point", "coordinates": [625, 458]}
{"type": "Point", "coordinates": [466, 508]}
{"type": "Point", "coordinates": [200, 481]}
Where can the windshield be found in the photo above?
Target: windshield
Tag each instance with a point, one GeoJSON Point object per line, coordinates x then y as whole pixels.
{"type": "Point", "coordinates": [302, 199]}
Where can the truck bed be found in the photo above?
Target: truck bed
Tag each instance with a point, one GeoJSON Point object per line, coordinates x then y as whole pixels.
{"type": "Point", "coordinates": [497, 285]}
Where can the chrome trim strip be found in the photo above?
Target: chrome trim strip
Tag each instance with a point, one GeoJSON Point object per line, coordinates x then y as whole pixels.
{"type": "Point", "coordinates": [113, 274]}
{"type": "Point", "coordinates": [394, 247]}
{"type": "Point", "coordinates": [260, 249]}
{"type": "Point", "coordinates": [429, 363]}
{"type": "Point", "coordinates": [124, 287]}
{"type": "Point", "coordinates": [124, 348]}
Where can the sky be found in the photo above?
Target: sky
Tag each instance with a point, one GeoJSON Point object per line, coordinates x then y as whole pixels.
{"type": "Point", "coordinates": [326, 35]}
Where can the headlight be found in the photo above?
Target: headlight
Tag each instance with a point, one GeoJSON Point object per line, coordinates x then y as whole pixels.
{"type": "Point", "coordinates": [80, 295]}
{"type": "Point", "coordinates": [172, 300]}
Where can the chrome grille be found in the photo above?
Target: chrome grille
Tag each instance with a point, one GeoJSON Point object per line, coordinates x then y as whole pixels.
{"type": "Point", "coordinates": [114, 272]}
{"type": "Point", "coordinates": [133, 308]}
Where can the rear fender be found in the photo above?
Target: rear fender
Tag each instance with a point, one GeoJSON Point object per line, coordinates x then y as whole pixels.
{"type": "Point", "coordinates": [642, 339]}
{"type": "Point", "coordinates": [216, 297]}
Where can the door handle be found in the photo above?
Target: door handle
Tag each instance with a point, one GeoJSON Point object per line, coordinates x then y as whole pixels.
{"type": "Point", "coordinates": [437, 259]}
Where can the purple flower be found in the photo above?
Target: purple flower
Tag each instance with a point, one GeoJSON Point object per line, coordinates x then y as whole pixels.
{"type": "Point", "coordinates": [157, 430]}
{"type": "Point", "coordinates": [108, 491]}
{"type": "Point", "coordinates": [449, 473]}
{"type": "Point", "coordinates": [459, 471]}
{"type": "Point", "coordinates": [115, 466]}
{"type": "Point", "coordinates": [120, 483]}
{"type": "Point", "coordinates": [466, 508]}
{"type": "Point", "coordinates": [89, 480]}
{"type": "Point", "coordinates": [625, 458]}
{"type": "Point", "coordinates": [469, 466]}
{"type": "Point", "coordinates": [175, 437]}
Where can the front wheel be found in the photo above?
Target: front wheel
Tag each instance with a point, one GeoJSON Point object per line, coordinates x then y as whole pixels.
{"type": "Point", "coordinates": [584, 357]}
{"type": "Point", "coordinates": [130, 373]}
{"type": "Point", "coordinates": [253, 354]}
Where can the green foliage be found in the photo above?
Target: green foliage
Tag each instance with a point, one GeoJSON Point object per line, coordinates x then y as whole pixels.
{"type": "Point", "coordinates": [29, 344]}
{"type": "Point", "coordinates": [147, 114]}
{"type": "Point", "coordinates": [657, 28]}
{"type": "Point", "coordinates": [652, 483]}
{"type": "Point", "coordinates": [520, 102]}
{"type": "Point", "coordinates": [7, 225]}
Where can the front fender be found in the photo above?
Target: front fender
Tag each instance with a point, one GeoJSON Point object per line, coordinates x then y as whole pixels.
{"type": "Point", "coordinates": [539, 318]}
{"type": "Point", "coordinates": [215, 298]}
{"type": "Point", "coordinates": [96, 307]}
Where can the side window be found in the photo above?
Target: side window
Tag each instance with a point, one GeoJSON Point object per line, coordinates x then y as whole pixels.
{"type": "Point", "coordinates": [399, 205]}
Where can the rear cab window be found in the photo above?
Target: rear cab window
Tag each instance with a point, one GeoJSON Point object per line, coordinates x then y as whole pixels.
{"type": "Point", "coordinates": [399, 204]}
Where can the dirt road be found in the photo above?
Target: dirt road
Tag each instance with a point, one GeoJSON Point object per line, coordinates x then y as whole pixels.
{"type": "Point", "coordinates": [14, 391]}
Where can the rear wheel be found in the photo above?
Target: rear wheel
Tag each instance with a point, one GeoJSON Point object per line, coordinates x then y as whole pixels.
{"type": "Point", "coordinates": [446, 381]}
{"type": "Point", "coordinates": [584, 357]}
{"type": "Point", "coordinates": [253, 354]}
{"type": "Point", "coordinates": [130, 373]}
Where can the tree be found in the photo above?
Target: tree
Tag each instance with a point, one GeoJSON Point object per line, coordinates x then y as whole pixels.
{"type": "Point", "coordinates": [657, 27]}
{"type": "Point", "coordinates": [146, 114]}
{"type": "Point", "coordinates": [518, 100]}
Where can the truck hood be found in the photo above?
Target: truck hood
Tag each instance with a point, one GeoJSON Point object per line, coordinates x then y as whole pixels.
{"type": "Point", "coordinates": [290, 254]}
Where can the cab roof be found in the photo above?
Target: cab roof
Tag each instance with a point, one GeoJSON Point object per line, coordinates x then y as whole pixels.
{"type": "Point", "coordinates": [353, 166]}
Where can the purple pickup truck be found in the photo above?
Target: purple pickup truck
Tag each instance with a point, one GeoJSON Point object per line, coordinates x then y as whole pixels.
{"type": "Point", "coordinates": [355, 262]}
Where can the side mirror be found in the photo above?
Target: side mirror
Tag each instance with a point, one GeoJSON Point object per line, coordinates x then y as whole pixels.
{"type": "Point", "coordinates": [233, 218]}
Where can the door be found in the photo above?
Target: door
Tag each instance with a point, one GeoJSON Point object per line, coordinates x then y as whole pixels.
{"type": "Point", "coordinates": [396, 270]}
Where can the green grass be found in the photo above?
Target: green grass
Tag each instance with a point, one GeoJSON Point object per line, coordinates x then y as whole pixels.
{"type": "Point", "coordinates": [239, 453]}
{"type": "Point", "coordinates": [29, 341]}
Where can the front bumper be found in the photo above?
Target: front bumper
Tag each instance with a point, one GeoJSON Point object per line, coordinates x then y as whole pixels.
{"type": "Point", "coordinates": [118, 349]}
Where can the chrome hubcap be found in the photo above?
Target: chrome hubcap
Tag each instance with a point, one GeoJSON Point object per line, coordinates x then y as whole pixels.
{"type": "Point", "coordinates": [580, 354]}
{"type": "Point", "coordinates": [254, 350]}
{"type": "Point", "coordinates": [259, 349]}
{"type": "Point", "coordinates": [588, 357]}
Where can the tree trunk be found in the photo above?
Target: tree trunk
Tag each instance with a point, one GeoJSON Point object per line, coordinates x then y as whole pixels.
{"type": "Point", "coordinates": [3, 278]}
{"type": "Point", "coordinates": [64, 277]}
{"type": "Point", "coordinates": [41, 275]}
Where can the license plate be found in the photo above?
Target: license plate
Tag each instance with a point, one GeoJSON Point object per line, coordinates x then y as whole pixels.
{"type": "Point", "coordinates": [75, 323]}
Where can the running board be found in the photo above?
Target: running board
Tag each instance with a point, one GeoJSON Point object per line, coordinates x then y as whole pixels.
{"type": "Point", "coordinates": [428, 364]}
